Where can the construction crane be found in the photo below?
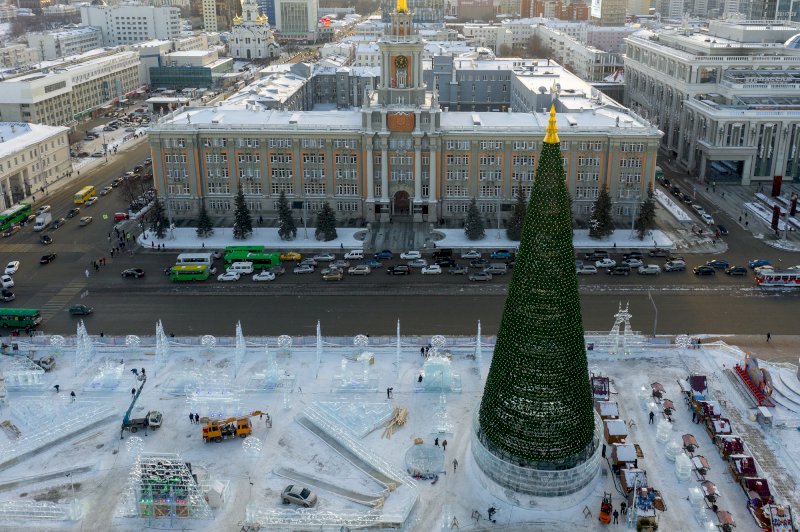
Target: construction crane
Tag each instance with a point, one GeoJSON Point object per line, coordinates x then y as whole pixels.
{"type": "Point", "coordinates": [152, 419]}
{"type": "Point", "coordinates": [217, 430]}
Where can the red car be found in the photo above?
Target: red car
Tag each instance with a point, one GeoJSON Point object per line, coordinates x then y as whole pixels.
{"type": "Point", "coordinates": [119, 216]}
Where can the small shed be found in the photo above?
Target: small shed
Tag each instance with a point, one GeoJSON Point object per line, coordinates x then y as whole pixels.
{"type": "Point", "coordinates": [615, 431]}
{"type": "Point", "coordinates": [718, 427]}
{"type": "Point", "coordinates": [623, 455]}
{"type": "Point", "coordinates": [657, 390]}
{"type": "Point", "coordinates": [601, 388]}
{"type": "Point", "coordinates": [607, 409]}
{"type": "Point", "coordinates": [708, 409]}
{"type": "Point", "coordinates": [757, 490]}
{"type": "Point", "coordinates": [698, 383]}
{"type": "Point", "coordinates": [631, 477]}
{"type": "Point", "coordinates": [729, 444]}
{"type": "Point", "coordinates": [741, 466]}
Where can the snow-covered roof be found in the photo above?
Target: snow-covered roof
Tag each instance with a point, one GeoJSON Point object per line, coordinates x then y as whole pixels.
{"type": "Point", "coordinates": [608, 409]}
{"type": "Point", "coordinates": [625, 452]}
{"type": "Point", "coordinates": [18, 136]}
{"type": "Point", "coordinates": [616, 427]}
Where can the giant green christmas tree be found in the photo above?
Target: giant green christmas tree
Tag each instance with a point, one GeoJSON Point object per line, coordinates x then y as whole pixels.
{"type": "Point", "coordinates": [537, 404]}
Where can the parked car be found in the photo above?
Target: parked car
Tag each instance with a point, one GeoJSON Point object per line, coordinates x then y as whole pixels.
{"type": "Point", "coordinates": [6, 281]}
{"type": "Point", "coordinates": [649, 269]}
{"type": "Point", "coordinates": [46, 239]}
{"type": "Point", "coordinates": [330, 269]}
{"type": "Point", "coordinates": [686, 198]}
{"type": "Point", "coordinates": [605, 263]}
{"type": "Point", "coordinates": [658, 252]}
{"type": "Point", "coordinates": [596, 255]}
{"type": "Point", "coordinates": [723, 231]}
{"type": "Point", "coordinates": [755, 263]}
{"type": "Point", "coordinates": [12, 267]}
{"type": "Point", "coordinates": [47, 259]}
{"type": "Point", "coordinates": [471, 254]}
{"type": "Point", "coordinates": [445, 262]}
{"type": "Point", "coordinates": [119, 216]}
{"type": "Point", "coordinates": [117, 182]}
{"type": "Point", "coordinates": [136, 273]}
{"type": "Point", "coordinates": [707, 218]}
{"type": "Point", "coordinates": [296, 494]}
{"type": "Point", "coordinates": [308, 262]}
{"type": "Point", "coordinates": [72, 213]}
{"type": "Point", "coordinates": [97, 155]}
{"type": "Point", "coordinates": [291, 256]}
{"type": "Point", "coordinates": [303, 268]}
{"type": "Point", "coordinates": [264, 275]}
{"type": "Point", "coordinates": [335, 275]}
{"type": "Point", "coordinates": [361, 269]}
{"type": "Point", "coordinates": [501, 254]}
{"type": "Point", "coordinates": [480, 276]}
{"type": "Point", "coordinates": [458, 269]}
{"type": "Point", "coordinates": [400, 269]}
{"type": "Point", "coordinates": [86, 220]}
{"type": "Point", "coordinates": [496, 269]}
{"type": "Point", "coordinates": [633, 262]}
{"type": "Point", "coordinates": [276, 270]}
{"type": "Point", "coordinates": [11, 230]}
{"type": "Point", "coordinates": [619, 269]}
{"type": "Point", "coordinates": [586, 269]}
{"type": "Point", "coordinates": [341, 263]}
{"type": "Point", "coordinates": [433, 269]}
{"type": "Point", "coordinates": [633, 255]}
{"type": "Point", "coordinates": [478, 263]}
{"type": "Point", "coordinates": [373, 263]}
{"type": "Point", "coordinates": [718, 263]}
{"type": "Point", "coordinates": [704, 270]}
{"type": "Point", "coordinates": [384, 254]}
{"type": "Point", "coordinates": [674, 266]}
{"type": "Point", "coordinates": [411, 255]}
{"type": "Point", "coordinates": [418, 263]}
{"type": "Point", "coordinates": [106, 190]}
{"type": "Point", "coordinates": [7, 296]}
{"type": "Point", "coordinates": [80, 310]}
{"type": "Point", "coordinates": [736, 270]}
{"type": "Point", "coordinates": [698, 208]}
{"type": "Point", "coordinates": [324, 257]}
{"type": "Point", "coordinates": [228, 277]}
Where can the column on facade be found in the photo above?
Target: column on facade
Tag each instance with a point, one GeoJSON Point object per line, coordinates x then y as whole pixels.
{"type": "Point", "coordinates": [383, 120]}
{"type": "Point", "coordinates": [416, 121]}
{"type": "Point", "coordinates": [417, 170]}
{"type": "Point", "coordinates": [384, 168]}
{"type": "Point", "coordinates": [370, 172]}
{"type": "Point", "coordinates": [747, 170]}
{"type": "Point", "coordinates": [780, 150]}
{"type": "Point", "coordinates": [432, 196]}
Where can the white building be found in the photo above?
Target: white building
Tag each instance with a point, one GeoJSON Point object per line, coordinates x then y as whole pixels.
{"type": "Point", "coordinates": [32, 157]}
{"type": "Point", "coordinates": [18, 56]}
{"type": "Point", "coordinates": [251, 35]}
{"type": "Point", "coordinates": [210, 15]}
{"type": "Point", "coordinates": [488, 35]}
{"type": "Point", "coordinates": [133, 23]}
{"type": "Point", "coordinates": [154, 53]}
{"type": "Point", "coordinates": [61, 92]}
{"type": "Point", "coordinates": [587, 61]}
{"type": "Point", "coordinates": [296, 20]}
{"type": "Point", "coordinates": [726, 98]}
{"type": "Point", "coordinates": [62, 43]}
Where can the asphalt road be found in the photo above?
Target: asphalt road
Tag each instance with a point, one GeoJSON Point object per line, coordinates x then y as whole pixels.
{"type": "Point", "coordinates": [293, 303]}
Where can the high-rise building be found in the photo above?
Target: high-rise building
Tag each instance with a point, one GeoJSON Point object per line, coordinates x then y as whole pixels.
{"type": "Point", "coordinates": [608, 12]}
{"type": "Point", "coordinates": [210, 15]}
{"type": "Point", "coordinates": [132, 24]}
{"type": "Point", "coordinates": [296, 20]}
{"type": "Point", "coordinates": [65, 42]}
{"type": "Point", "coordinates": [536, 431]}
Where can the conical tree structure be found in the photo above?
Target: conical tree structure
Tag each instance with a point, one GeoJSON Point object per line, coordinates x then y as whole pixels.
{"type": "Point", "coordinates": [536, 409]}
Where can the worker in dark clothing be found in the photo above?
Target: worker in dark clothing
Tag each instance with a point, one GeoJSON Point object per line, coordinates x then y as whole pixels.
{"type": "Point", "coordinates": [191, 418]}
{"type": "Point", "coordinates": [72, 395]}
{"type": "Point", "coordinates": [57, 387]}
{"type": "Point", "coordinates": [196, 417]}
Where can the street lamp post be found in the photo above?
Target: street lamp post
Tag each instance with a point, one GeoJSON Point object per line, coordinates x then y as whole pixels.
{"type": "Point", "coordinates": [655, 309]}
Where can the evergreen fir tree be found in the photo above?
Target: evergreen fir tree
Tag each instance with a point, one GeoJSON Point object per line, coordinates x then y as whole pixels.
{"type": "Point", "coordinates": [286, 228]}
{"type": "Point", "coordinates": [158, 218]}
{"type": "Point", "coordinates": [326, 224]}
{"type": "Point", "coordinates": [601, 223]}
{"type": "Point", "coordinates": [537, 403]}
{"type": "Point", "coordinates": [646, 220]}
{"type": "Point", "coordinates": [204, 226]}
{"type": "Point", "coordinates": [242, 224]}
{"type": "Point", "coordinates": [514, 229]}
{"type": "Point", "coordinates": [474, 226]}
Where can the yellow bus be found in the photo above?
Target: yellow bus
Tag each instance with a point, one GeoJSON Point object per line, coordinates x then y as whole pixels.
{"type": "Point", "coordinates": [84, 194]}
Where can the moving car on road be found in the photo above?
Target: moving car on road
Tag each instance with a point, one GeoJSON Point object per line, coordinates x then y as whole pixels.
{"type": "Point", "coordinates": [303, 268]}
{"type": "Point", "coordinates": [480, 276]}
{"type": "Point", "coordinates": [361, 269]}
{"type": "Point", "coordinates": [80, 310]}
{"type": "Point", "coordinates": [400, 269]}
{"type": "Point", "coordinates": [433, 269]}
{"type": "Point", "coordinates": [649, 269]}
{"type": "Point", "coordinates": [737, 270]}
{"type": "Point", "coordinates": [384, 254]}
{"type": "Point", "coordinates": [458, 269]}
{"type": "Point", "coordinates": [586, 269]}
{"type": "Point", "coordinates": [411, 255]}
{"type": "Point", "coordinates": [291, 255]}
{"type": "Point", "coordinates": [136, 273]}
{"type": "Point", "coordinates": [605, 263]}
{"type": "Point", "coordinates": [12, 267]}
{"type": "Point", "coordinates": [47, 259]}
{"type": "Point", "coordinates": [755, 263]}
{"type": "Point", "coordinates": [86, 220]}
{"type": "Point", "coordinates": [333, 275]}
{"type": "Point", "coordinates": [718, 263]}
{"type": "Point", "coordinates": [228, 277]}
{"type": "Point", "coordinates": [265, 275]}
{"type": "Point", "coordinates": [704, 270]}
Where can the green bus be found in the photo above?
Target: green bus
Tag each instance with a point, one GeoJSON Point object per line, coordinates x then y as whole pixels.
{"type": "Point", "coordinates": [260, 259]}
{"type": "Point", "coordinates": [189, 272]}
{"type": "Point", "coordinates": [234, 249]}
{"type": "Point", "coordinates": [20, 318]}
{"type": "Point", "coordinates": [13, 215]}
{"type": "Point", "coordinates": [659, 174]}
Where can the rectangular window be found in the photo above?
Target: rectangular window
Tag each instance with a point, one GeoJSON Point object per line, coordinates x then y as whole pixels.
{"type": "Point", "coordinates": [280, 158]}
{"type": "Point", "coordinates": [314, 158]}
{"type": "Point", "coordinates": [280, 143]}
{"type": "Point", "coordinates": [457, 144]}
{"type": "Point", "coordinates": [286, 188]}
{"type": "Point", "coordinates": [462, 160]}
{"type": "Point", "coordinates": [314, 189]}
{"type": "Point", "coordinates": [347, 189]}
{"type": "Point", "coordinates": [348, 206]}
{"type": "Point", "coordinates": [346, 159]}
{"type": "Point", "coordinates": [491, 160]}
{"type": "Point", "coordinates": [523, 160]}
{"type": "Point", "coordinates": [491, 144]}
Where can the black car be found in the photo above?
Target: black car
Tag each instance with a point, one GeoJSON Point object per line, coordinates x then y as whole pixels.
{"type": "Point", "coordinates": [736, 270]}
{"type": "Point", "coordinates": [47, 259]}
{"type": "Point", "coordinates": [445, 262]}
{"type": "Point", "coordinates": [46, 239]}
{"type": "Point", "coordinates": [58, 223]}
{"type": "Point", "coordinates": [666, 182]}
{"type": "Point", "coordinates": [72, 213]}
{"type": "Point", "coordinates": [676, 190]}
{"type": "Point", "coordinates": [722, 229]}
{"type": "Point", "coordinates": [7, 295]}
{"type": "Point", "coordinates": [619, 269]}
{"type": "Point", "coordinates": [686, 198]}
{"type": "Point", "coordinates": [704, 270]}
{"type": "Point", "coordinates": [633, 255]}
{"type": "Point", "coordinates": [401, 269]}
{"type": "Point", "coordinates": [658, 252]}
{"type": "Point", "coordinates": [596, 255]}
{"type": "Point", "coordinates": [136, 273]}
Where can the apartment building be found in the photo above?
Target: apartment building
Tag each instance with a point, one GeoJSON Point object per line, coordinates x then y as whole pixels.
{"type": "Point", "coordinates": [65, 42]}
{"type": "Point", "coordinates": [129, 24]}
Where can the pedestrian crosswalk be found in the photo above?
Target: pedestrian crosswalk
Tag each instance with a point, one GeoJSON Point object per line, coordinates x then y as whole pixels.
{"type": "Point", "coordinates": [57, 303]}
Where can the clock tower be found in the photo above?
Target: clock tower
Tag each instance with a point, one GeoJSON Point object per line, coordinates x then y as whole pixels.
{"type": "Point", "coordinates": [401, 61]}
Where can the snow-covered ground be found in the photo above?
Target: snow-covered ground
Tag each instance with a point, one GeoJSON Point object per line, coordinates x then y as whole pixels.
{"type": "Point", "coordinates": [195, 377]}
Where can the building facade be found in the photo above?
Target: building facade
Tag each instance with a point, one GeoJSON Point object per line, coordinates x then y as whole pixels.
{"type": "Point", "coordinates": [726, 99]}
{"type": "Point", "coordinates": [132, 24]}
{"type": "Point", "coordinates": [251, 35]}
{"type": "Point", "coordinates": [54, 45]}
{"type": "Point", "coordinates": [209, 8]}
{"type": "Point", "coordinates": [200, 69]}
{"type": "Point", "coordinates": [70, 90]}
{"type": "Point", "coordinates": [18, 56]}
{"type": "Point", "coordinates": [296, 20]}
{"type": "Point", "coordinates": [402, 154]}
{"type": "Point", "coordinates": [608, 12]}
{"type": "Point", "coordinates": [32, 157]}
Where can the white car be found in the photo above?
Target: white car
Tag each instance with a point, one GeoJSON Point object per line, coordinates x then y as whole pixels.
{"type": "Point", "coordinates": [633, 263]}
{"type": "Point", "coordinates": [707, 218]}
{"type": "Point", "coordinates": [649, 269]}
{"type": "Point", "coordinates": [361, 269]}
{"type": "Point", "coordinates": [228, 276]}
{"type": "Point", "coordinates": [324, 257]}
{"type": "Point", "coordinates": [6, 281]}
{"type": "Point", "coordinates": [433, 269]}
{"type": "Point", "coordinates": [411, 255]}
{"type": "Point", "coordinates": [12, 267]}
{"type": "Point", "coordinates": [264, 276]}
{"type": "Point", "coordinates": [605, 263]}
{"type": "Point", "coordinates": [471, 254]}
{"type": "Point", "coordinates": [91, 201]}
{"type": "Point", "coordinates": [586, 269]}
{"type": "Point", "coordinates": [43, 209]}
{"type": "Point", "coordinates": [417, 263]}
{"type": "Point", "coordinates": [698, 208]}
{"type": "Point", "coordinates": [305, 268]}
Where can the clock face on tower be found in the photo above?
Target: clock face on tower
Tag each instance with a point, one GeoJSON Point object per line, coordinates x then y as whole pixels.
{"type": "Point", "coordinates": [401, 61]}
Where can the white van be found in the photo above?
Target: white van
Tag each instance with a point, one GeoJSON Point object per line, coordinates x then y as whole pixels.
{"type": "Point", "coordinates": [242, 268]}
{"type": "Point", "coordinates": [354, 254]}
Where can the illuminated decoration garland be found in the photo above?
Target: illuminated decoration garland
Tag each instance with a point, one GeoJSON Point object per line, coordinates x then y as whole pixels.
{"type": "Point", "coordinates": [536, 408]}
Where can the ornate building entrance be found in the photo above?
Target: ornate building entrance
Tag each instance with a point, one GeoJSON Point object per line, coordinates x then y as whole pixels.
{"type": "Point", "coordinates": [401, 206]}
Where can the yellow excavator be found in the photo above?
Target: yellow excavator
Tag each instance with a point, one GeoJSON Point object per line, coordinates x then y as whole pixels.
{"type": "Point", "coordinates": [217, 430]}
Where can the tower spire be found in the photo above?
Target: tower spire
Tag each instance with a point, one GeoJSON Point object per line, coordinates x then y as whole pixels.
{"type": "Point", "coordinates": [551, 136]}
{"type": "Point", "coordinates": [401, 7]}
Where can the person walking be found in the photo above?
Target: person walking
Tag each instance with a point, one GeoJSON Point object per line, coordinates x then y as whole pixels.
{"type": "Point", "coordinates": [652, 417]}
{"type": "Point", "coordinates": [389, 393]}
{"type": "Point", "coordinates": [57, 387]}
{"type": "Point", "coordinates": [616, 517]}
{"type": "Point", "coordinates": [197, 418]}
{"type": "Point", "coordinates": [72, 396]}
{"type": "Point", "coordinates": [454, 524]}
{"type": "Point", "coordinates": [436, 442]}
{"type": "Point", "coordinates": [444, 445]}
{"type": "Point", "coordinates": [769, 336]}
{"type": "Point", "coordinates": [86, 272]}
{"type": "Point", "coordinates": [191, 417]}
{"type": "Point", "coordinates": [455, 465]}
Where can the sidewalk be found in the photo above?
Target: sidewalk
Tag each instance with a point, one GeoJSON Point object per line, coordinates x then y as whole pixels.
{"type": "Point", "coordinates": [783, 348]}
